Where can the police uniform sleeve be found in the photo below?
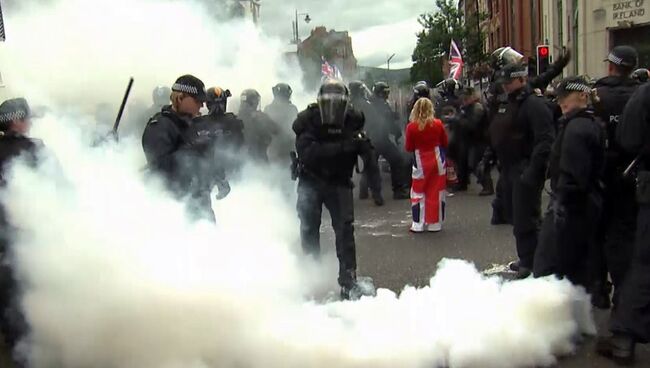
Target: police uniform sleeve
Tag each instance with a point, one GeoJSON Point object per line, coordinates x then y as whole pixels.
{"type": "Point", "coordinates": [543, 80]}
{"type": "Point", "coordinates": [632, 132]}
{"type": "Point", "coordinates": [159, 144]}
{"type": "Point", "coordinates": [541, 125]}
{"type": "Point", "coordinates": [579, 146]}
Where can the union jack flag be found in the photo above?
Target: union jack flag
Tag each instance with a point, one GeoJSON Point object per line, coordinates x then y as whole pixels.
{"type": "Point", "coordinates": [455, 61]}
{"type": "Point", "coordinates": [329, 71]}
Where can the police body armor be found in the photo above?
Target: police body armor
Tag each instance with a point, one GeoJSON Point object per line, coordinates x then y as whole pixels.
{"type": "Point", "coordinates": [507, 135]}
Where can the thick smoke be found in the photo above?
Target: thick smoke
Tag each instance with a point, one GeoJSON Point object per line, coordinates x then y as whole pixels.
{"type": "Point", "coordinates": [116, 276]}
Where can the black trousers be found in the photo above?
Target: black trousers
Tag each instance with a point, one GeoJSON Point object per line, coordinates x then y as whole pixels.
{"type": "Point", "coordinates": [502, 202]}
{"type": "Point", "coordinates": [616, 235]}
{"type": "Point", "coordinates": [526, 202]}
{"type": "Point", "coordinates": [566, 249]}
{"type": "Point", "coordinates": [13, 326]}
{"type": "Point", "coordinates": [632, 314]}
{"type": "Point", "coordinates": [338, 199]}
{"type": "Point", "coordinates": [400, 174]}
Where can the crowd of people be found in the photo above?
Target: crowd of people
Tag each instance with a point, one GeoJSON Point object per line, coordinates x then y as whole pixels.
{"type": "Point", "coordinates": [589, 138]}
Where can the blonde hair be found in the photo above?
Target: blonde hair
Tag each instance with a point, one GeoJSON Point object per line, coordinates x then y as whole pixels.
{"type": "Point", "coordinates": [422, 113]}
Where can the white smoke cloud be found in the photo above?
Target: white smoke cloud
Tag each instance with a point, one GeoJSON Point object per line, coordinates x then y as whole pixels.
{"type": "Point", "coordinates": [115, 275]}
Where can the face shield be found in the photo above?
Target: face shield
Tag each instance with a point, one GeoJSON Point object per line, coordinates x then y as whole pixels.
{"type": "Point", "coordinates": [333, 107]}
{"type": "Point", "coordinates": [505, 56]}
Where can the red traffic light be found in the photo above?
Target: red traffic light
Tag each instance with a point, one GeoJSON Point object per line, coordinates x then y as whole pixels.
{"type": "Point", "coordinates": [542, 51]}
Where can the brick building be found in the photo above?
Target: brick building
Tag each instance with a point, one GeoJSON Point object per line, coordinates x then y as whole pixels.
{"type": "Point", "coordinates": [515, 23]}
{"type": "Point", "coordinates": [334, 46]}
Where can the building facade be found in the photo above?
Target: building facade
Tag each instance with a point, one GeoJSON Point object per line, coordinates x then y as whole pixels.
{"type": "Point", "coordinates": [333, 46]}
{"type": "Point", "coordinates": [590, 28]}
{"type": "Point", "coordinates": [514, 23]}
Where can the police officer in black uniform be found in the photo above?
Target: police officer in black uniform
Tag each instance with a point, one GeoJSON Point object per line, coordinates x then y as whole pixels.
{"type": "Point", "coordinates": [175, 153]}
{"type": "Point", "coordinates": [224, 129]}
{"type": "Point", "coordinates": [15, 121]}
{"type": "Point", "coordinates": [521, 134]}
{"type": "Point", "coordinates": [475, 118]}
{"type": "Point", "coordinates": [618, 225]}
{"type": "Point", "coordinates": [259, 128]}
{"type": "Point", "coordinates": [380, 125]}
{"type": "Point", "coordinates": [329, 139]}
{"type": "Point", "coordinates": [630, 319]}
{"type": "Point", "coordinates": [359, 99]}
{"type": "Point", "coordinates": [576, 165]}
{"type": "Point", "coordinates": [283, 112]}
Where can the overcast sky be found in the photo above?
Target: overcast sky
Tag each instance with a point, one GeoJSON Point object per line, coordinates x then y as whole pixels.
{"type": "Point", "coordinates": [379, 28]}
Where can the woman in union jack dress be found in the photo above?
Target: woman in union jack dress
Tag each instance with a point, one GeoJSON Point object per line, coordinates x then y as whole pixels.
{"type": "Point", "coordinates": [427, 139]}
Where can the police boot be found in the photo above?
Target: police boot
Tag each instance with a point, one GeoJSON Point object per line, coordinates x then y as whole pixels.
{"type": "Point", "coordinates": [618, 347]}
{"type": "Point", "coordinates": [378, 199]}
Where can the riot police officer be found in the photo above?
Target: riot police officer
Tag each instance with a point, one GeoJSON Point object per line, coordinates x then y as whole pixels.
{"type": "Point", "coordinates": [226, 130]}
{"type": "Point", "coordinates": [420, 89]}
{"type": "Point", "coordinates": [616, 234]}
{"type": "Point", "coordinates": [329, 138]}
{"type": "Point", "coordinates": [359, 99]}
{"type": "Point", "coordinates": [521, 134]}
{"type": "Point", "coordinates": [283, 112]}
{"type": "Point", "coordinates": [448, 91]}
{"type": "Point", "coordinates": [15, 122]}
{"type": "Point", "coordinates": [380, 126]}
{"type": "Point", "coordinates": [259, 128]}
{"type": "Point", "coordinates": [170, 150]}
{"type": "Point", "coordinates": [576, 165]}
{"type": "Point", "coordinates": [475, 119]}
{"type": "Point", "coordinates": [630, 321]}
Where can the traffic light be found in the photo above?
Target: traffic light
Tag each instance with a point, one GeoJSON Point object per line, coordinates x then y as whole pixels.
{"type": "Point", "coordinates": [543, 56]}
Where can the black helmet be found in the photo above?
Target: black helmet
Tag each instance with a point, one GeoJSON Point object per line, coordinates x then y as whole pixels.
{"type": "Point", "coordinates": [217, 100]}
{"type": "Point", "coordinates": [641, 75]}
{"type": "Point", "coordinates": [161, 95]}
{"type": "Point", "coordinates": [381, 90]}
{"type": "Point", "coordinates": [448, 87]}
{"type": "Point", "coordinates": [250, 98]}
{"type": "Point", "coordinates": [421, 89]}
{"type": "Point", "coordinates": [282, 90]}
{"type": "Point", "coordinates": [358, 89]}
{"type": "Point", "coordinates": [333, 101]}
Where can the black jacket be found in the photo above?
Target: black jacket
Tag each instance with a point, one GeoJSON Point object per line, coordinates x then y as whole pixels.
{"type": "Point", "coordinates": [329, 153]}
{"type": "Point", "coordinates": [578, 156]}
{"type": "Point", "coordinates": [633, 133]}
{"type": "Point", "coordinates": [385, 123]}
{"type": "Point", "coordinates": [13, 146]}
{"type": "Point", "coordinates": [613, 94]}
{"type": "Point", "coordinates": [259, 130]}
{"type": "Point", "coordinates": [521, 133]}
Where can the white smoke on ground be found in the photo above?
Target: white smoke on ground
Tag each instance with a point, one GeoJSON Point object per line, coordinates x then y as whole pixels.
{"type": "Point", "coordinates": [116, 276]}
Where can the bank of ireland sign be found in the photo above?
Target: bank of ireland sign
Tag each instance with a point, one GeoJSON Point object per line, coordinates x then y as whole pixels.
{"type": "Point", "coordinates": [626, 11]}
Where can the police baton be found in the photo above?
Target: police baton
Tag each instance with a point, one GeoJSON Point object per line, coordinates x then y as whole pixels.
{"type": "Point", "coordinates": [631, 167]}
{"type": "Point", "coordinates": [122, 106]}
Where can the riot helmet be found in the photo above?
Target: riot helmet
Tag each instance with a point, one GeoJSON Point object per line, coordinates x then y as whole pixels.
{"type": "Point", "coordinates": [217, 100]}
{"type": "Point", "coordinates": [333, 101]}
{"type": "Point", "coordinates": [250, 99]}
{"type": "Point", "coordinates": [505, 56]}
{"type": "Point", "coordinates": [381, 90]}
{"type": "Point", "coordinates": [160, 95]}
{"type": "Point", "coordinates": [421, 89]}
{"type": "Point", "coordinates": [282, 91]}
{"type": "Point", "coordinates": [641, 75]}
{"type": "Point", "coordinates": [358, 90]}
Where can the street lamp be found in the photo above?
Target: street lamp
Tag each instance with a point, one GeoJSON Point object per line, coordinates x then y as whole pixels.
{"type": "Point", "coordinates": [388, 61]}
{"type": "Point", "coordinates": [296, 31]}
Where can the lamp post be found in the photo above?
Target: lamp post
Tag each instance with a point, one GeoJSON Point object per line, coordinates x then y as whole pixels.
{"type": "Point", "coordinates": [388, 61]}
{"type": "Point", "coordinates": [296, 30]}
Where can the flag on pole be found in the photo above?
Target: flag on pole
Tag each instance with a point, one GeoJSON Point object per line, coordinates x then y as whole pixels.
{"type": "Point", "coordinates": [329, 71]}
{"type": "Point", "coordinates": [2, 25]}
{"type": "Point", "coordinates": [455, 61]}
